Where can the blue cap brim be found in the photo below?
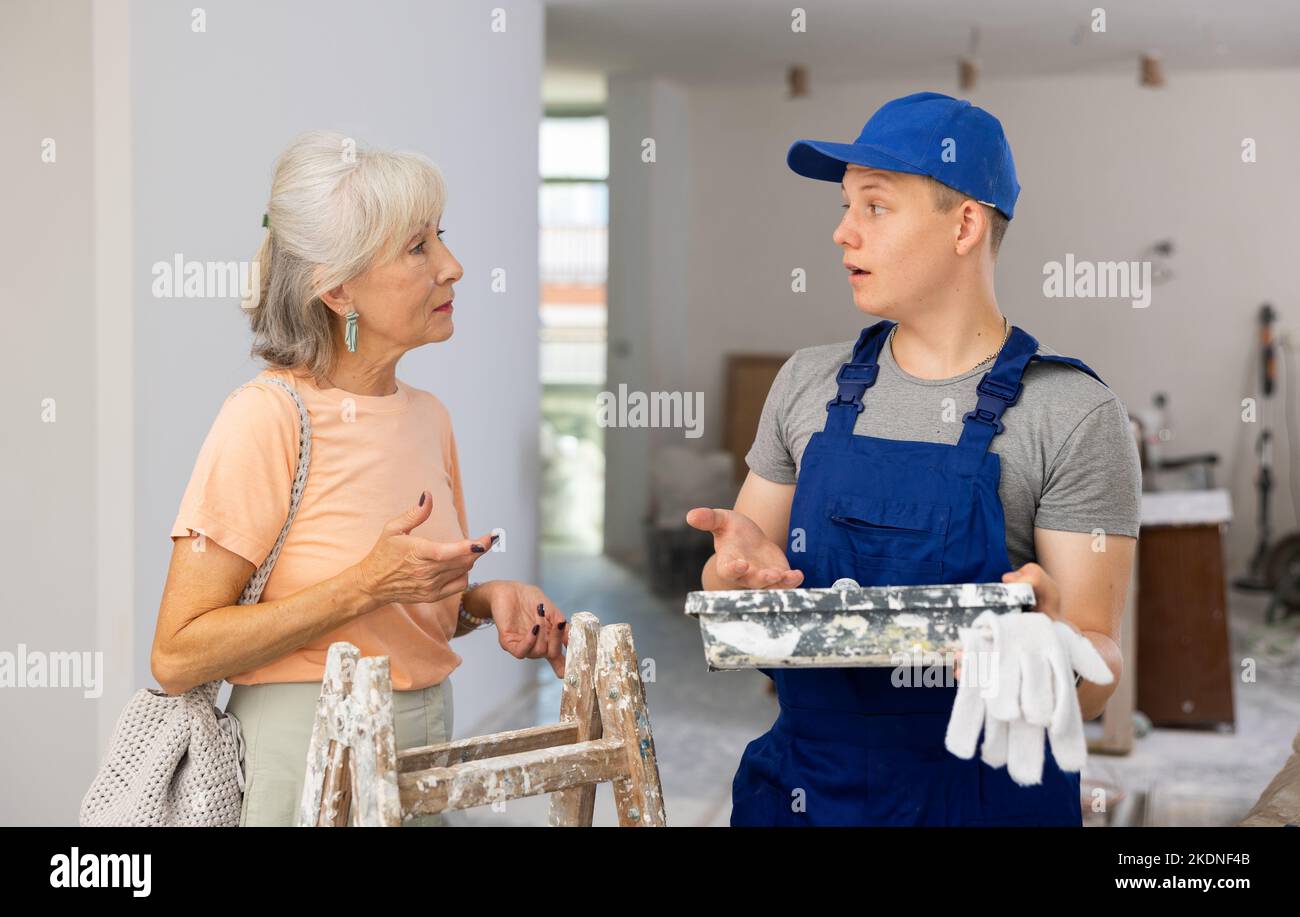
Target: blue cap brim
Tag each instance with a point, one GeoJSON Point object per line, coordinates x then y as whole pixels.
{"type": "Point", "coordinates": [827, 161]}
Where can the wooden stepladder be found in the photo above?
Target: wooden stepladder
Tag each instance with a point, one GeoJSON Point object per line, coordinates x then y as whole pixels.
{"type": "Point", "coordinates": [355, 775]}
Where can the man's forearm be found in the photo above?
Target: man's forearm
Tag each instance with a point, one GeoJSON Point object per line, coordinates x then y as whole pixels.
{"type": "Point", "coordinates": [1093, 697]}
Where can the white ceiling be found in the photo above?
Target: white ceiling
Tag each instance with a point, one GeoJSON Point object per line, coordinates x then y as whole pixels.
{"type": "Point", "coordinates": [695, 41]}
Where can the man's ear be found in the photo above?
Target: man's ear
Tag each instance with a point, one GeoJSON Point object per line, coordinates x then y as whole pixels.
{"type": "Point", "coordinates": [972, 229]}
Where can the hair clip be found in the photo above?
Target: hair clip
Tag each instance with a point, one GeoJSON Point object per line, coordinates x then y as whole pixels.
{"type": "Point", "coordinates": [266, 223]}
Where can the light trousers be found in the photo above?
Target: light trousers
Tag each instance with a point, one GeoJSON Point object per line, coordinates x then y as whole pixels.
{"type": "Point", "coordinates": [276, 721]}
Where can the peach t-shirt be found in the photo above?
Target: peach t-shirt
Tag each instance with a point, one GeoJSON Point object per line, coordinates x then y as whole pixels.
{"type": "Point", "coordinates": [371, 455]}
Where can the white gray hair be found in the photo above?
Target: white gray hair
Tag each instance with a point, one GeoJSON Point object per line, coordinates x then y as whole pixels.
{"type": "Point", "coordinates": [336, 209]}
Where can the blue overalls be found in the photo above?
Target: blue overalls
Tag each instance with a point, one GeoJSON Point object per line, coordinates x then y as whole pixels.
{"type": "Point", "coordinates": [848, 747]}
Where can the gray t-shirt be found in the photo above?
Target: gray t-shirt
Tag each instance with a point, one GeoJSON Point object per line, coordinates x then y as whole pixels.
{"type": "Point", "coordinates": [1069, 460]}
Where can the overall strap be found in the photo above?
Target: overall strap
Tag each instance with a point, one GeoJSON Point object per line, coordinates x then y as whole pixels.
{"type": "Point", "coordinates": [1068, 361]}
{"type": "Point", "coordinates": [855, 377]}
{"type": "Point", "coordinates": [1000, 388]}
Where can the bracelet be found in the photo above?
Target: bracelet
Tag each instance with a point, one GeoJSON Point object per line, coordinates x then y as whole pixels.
{"type": "Point", "coordinates": [469, 620]}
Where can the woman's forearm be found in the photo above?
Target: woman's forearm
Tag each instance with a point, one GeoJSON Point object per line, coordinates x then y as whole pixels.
{"type": "Point", "coordinates": [478, 604]}
{"type": "Point", "coordinates": [236, 638]}
{"type": "Point", "coordinates": [461, 627]}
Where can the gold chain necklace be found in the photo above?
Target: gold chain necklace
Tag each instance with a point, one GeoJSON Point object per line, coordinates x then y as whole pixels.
{"type": "Point", "coordinates": [1006, 333]}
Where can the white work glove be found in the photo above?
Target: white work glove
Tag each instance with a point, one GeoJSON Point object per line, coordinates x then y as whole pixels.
{"type": "Point", "coordinates": [1017, 683]}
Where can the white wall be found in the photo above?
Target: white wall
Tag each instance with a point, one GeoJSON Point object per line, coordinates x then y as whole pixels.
{"type": "Point", "coordinates": [213, 110]}
{"type": "Point", "coordinates": [207, 114]}
{"type": "Point", "coordinates": [648, 290]}
{"type": "Point", "coordinates": [47, 491]}
{"type": "Point", "coordinates": [1106, 169]}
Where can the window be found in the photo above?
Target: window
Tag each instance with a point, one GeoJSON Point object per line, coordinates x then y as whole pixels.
{"type": "Point", "coordinates": [574, 217]}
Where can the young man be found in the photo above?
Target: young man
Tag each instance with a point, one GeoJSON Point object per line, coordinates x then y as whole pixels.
{"type": "Point", "coordinates": [945, 445]}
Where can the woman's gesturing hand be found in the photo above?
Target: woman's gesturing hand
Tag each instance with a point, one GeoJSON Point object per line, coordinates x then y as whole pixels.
{"type": "Point", "coordinates": [407, 568]}
{"type": "Point", "coordinates": [529, 626]}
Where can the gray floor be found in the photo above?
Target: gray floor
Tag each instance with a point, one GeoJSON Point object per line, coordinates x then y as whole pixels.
{"type": "Point", "coordinates": [702, 720]}
{"type": "Point", "coordinates": [1180, 777]}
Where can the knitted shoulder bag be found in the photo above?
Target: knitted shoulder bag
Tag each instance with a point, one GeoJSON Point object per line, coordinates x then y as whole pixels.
{"type": "Point", "coordinates": [177, 760]}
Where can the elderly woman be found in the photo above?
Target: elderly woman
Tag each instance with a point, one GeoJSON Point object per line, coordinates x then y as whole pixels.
{"type": "Point", "coordinates": [354, 274]}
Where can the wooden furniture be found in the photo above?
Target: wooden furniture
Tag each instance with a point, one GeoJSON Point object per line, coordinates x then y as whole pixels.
{"type": "Point", "coordinates": [355, 772]}
{"type": "Point", "coordinates": [1185, 671]}
{"type": "Point", "coordinates": [749, 377]}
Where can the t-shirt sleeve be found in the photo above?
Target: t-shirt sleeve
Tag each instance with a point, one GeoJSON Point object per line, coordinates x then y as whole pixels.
{"type": "Point", "coordinates": [239, 491]}
{"type": "Point", "coordinates": [1095, 481]}
{"type": "Point", "coordinates": [769, 456]}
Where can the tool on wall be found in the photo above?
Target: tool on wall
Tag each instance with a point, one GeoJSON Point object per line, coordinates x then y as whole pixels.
{"type": "Point", "coordinates": [1256, 579]}
{"type": "Point", "coordinates": [1274, 568]}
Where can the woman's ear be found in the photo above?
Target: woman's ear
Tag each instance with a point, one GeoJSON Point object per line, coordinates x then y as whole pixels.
{"type": "Point", "coordinates": [338, 298]}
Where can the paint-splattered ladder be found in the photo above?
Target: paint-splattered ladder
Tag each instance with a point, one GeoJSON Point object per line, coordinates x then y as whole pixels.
{"type": "Point", "coordinates": [356, 775]}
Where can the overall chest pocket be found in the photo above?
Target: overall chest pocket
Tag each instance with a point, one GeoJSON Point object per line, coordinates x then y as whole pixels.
{"type": "Point", "coordinates": [878, 532]}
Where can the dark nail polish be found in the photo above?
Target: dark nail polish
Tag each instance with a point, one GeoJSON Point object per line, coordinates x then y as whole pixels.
{"type": "Point", "coordinates": [540, 611]}
{"type": "Point", "coordinates": [422, 498]}
{"type": "Point", "coordinates": [476, 548]}
{"type": "Point", "coordinates": [494, 538]}
{"type": "Point", "coordinates": [536, 628]}
{"type": "Point", "coordinates": [560, 626]}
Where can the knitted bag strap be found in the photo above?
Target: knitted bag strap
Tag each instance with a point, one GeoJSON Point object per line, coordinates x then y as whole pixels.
{"type": "Point", "coordinates": [253, 590]}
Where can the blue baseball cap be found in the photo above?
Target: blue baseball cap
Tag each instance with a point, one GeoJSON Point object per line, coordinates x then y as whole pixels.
{"type": "Point", "coordinates": [926, 133]}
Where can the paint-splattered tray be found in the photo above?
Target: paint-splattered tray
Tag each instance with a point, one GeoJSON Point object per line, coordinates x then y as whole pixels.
{"type": "Point", "coordinates": [794, 628]}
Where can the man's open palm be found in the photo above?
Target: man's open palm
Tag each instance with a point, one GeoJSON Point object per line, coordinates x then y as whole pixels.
{"type": "Point", "coordinates": [745, 556]}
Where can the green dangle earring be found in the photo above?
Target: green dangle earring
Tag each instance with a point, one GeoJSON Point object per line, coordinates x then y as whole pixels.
{"type": "Point", "coordinates": [350, 333]}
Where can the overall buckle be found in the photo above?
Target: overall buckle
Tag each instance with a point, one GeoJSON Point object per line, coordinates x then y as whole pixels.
{"type": "Point", "coordinates": [850, 401]}
{"type": "Point", "coordinates": [858, 374]}
{"type": "Point", "coordinates": [997, 390]}
{"type": "Point", "coordinates": [984, 411]}
{"type": "Point", "coordinates": [984, 415]}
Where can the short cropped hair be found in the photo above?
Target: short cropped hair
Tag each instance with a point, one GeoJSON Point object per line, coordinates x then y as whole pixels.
{"type": "Point", "coordinates": [946, 198]}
